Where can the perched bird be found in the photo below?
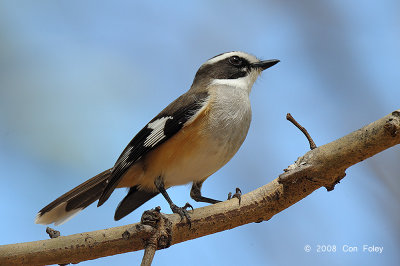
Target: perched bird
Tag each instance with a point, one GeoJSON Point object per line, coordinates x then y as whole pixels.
{"type": "Point", "coordinates": [188, 141]}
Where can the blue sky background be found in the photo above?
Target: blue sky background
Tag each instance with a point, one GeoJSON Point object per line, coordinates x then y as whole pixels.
{"type": "Point", "coordinates": [78, 79]}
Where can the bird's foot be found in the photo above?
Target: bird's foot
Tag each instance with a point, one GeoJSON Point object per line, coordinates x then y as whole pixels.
{"type": "Point", "coordinates": [237, 195]}
{"type": "Point", "coordinates": [182, 211]}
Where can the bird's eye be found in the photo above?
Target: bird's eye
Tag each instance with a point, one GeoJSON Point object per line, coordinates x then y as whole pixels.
{"type": "Point", "coordinates": [235, 60]}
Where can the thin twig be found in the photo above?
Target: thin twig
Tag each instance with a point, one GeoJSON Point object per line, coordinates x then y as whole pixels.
{"type": "Point", "coordinates": [302, 129]}
{"type": "Point", "coordinates": [149, 251]}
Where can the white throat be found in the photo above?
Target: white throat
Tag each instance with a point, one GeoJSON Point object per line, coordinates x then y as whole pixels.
{"type": "Point", "coordinates": [243, 83]}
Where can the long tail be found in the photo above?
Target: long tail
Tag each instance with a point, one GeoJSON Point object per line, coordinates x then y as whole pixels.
{"type": "Point", "coordinates": [68, 205]}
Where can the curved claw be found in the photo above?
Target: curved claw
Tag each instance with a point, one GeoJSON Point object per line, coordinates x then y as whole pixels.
{"type": "Point", "coordinates": [182, 212]}
{"type": "Point", "coordinates": [237, 195]}
{"type": "Point", "coordinates": [187, 205]}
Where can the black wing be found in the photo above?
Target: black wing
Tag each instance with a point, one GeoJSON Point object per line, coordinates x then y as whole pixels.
{"type": "Point", "coordinates": [156, 132]}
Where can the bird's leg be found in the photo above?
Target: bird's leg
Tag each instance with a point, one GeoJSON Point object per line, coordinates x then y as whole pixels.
{"type": "Point", "coordinates": [159, 183]}
{"type": "Point", "coordinates": [237, 195]}
{"type": "Point", "coordinates": [195, 193]}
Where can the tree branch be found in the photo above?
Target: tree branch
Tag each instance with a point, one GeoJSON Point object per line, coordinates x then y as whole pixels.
{"type": "Point", "coordinates": [322, 166]}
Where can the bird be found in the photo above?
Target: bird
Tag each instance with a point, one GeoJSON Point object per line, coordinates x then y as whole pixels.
{"type": "Point", "coordinates": [188, 141]}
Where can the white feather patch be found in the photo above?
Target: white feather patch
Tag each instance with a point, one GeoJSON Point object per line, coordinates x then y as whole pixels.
{"type": "Point", "coordinates": [57, 215]}
{"type": "Point", "coordinates": [157, 133]}
{"type": "Point", "coordinates": [221, 57]}
{"type": "Point", "coordinates": [243, 83]}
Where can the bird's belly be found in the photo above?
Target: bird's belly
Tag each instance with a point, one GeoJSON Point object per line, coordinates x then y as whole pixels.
{"type": "Point", "coordinates": [188, 156]}
{"type": "Point", "coordinates": [197, 166]}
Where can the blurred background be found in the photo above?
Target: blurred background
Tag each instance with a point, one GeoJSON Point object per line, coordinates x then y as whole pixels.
{"type": "Point", "coordinates": [78, 79]}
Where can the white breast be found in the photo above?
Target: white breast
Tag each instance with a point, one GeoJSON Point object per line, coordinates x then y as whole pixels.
{"type": "Point", "coordinates": [230, 117]}
{"type": "Point", "coordinates": [227, 126]}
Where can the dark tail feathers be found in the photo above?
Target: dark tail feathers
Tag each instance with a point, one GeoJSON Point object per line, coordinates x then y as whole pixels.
{"type": "Point", "coordinates": [75, 200]}
{"type": "Point", "coordinates": [68, 205]}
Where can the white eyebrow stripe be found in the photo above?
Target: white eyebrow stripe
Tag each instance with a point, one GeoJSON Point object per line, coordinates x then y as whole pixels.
{"type": "Point", "coordinates": [249, 57]}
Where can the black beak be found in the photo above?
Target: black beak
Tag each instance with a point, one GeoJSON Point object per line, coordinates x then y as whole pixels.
{"type": "Point", "coordinates": [265, 64]}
